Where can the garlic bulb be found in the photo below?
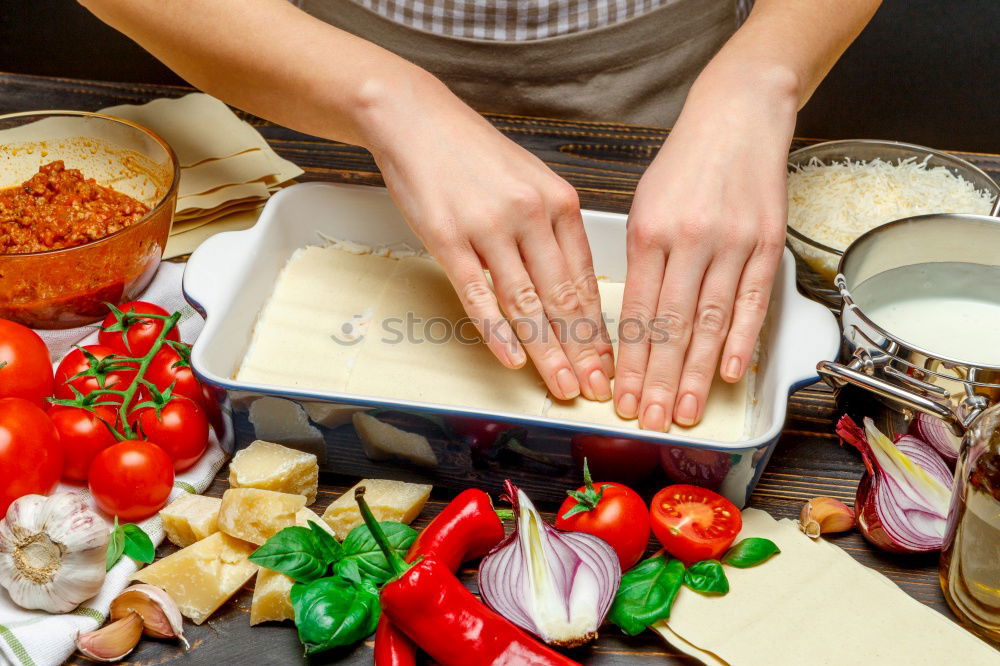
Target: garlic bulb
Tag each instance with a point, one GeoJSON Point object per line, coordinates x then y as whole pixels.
{"type": "Point", "coordinates": [52, 552]}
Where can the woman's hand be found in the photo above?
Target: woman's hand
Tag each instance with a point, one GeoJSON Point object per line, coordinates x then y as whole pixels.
{"type": "Point", "coordinates": [705, 234]}
{"type": "Point", "coordinates": [478, 201]}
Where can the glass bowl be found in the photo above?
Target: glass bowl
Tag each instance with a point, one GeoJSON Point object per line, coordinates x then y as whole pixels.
{"type": "Point", "coordinates": [816, 262]}
{"type": "Point", "coordinates": [65, 288]}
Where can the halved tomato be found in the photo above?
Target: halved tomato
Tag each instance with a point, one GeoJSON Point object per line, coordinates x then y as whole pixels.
{"type": "Point", "coordinates": [693, 523]}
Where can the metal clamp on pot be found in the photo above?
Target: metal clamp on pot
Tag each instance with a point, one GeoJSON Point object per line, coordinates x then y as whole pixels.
{"type": "Point", "coordinates": [915, 294]}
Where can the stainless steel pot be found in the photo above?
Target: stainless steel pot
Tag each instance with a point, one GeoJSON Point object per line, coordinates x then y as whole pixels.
{"type": "Point", "coordinates": [905, 377]}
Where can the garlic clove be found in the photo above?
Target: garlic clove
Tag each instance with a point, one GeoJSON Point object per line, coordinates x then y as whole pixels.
{"type": "Point", "coordinates": [823, 515]}
{"type": "Point", "coordinates": [160, 616]}
{"type": "Point", "coordinates": [112, 642]}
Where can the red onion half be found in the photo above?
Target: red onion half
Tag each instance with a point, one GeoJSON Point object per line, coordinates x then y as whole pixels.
{"type": "Point", "coordinates": [933, 431]}
{"type": "Point", "coordinates": [557, 585]}
{"type": "Point", "coordinates": [903, 498]}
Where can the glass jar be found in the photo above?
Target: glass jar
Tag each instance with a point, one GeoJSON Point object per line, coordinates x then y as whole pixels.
{"type": "Point", "coordinates": [970, 561]}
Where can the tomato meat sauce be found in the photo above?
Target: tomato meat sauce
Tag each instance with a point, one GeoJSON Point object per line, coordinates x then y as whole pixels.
{"type": "Point", "coordinates": [59, 208]}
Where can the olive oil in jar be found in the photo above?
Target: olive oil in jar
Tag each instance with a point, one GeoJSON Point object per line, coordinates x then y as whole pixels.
{"type": "Point", "coordinates": [970, 561]}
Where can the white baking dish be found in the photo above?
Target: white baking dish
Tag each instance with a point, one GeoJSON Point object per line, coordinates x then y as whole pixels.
{"type": "Point", "coordinates": [231, 276]}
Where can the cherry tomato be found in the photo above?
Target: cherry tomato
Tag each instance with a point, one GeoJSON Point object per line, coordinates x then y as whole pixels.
{"type": "Point", "coordinates": [131, 479]}
{"type": "Point", "coordinates": [141, 333]}
{"type": "Point", "coordinates": [180, 429]}
{"type": "Point", "coordinates": [31, 456]}
{"type": "Point", "coordinates": [615, 458]}
{"type": "Point", "coordinates": [25, 369]}
{"type": "Point", "coordinates": [99, 374]}
{"type": "Point", "coordinates": [693, 523]}
{"type": "Point", "coordinates": [83, 434]}
{"type": "Point", "coordinates": [619, 516]}
{"type": "Point", "coordinates": [167, 368]}
{"type": "Point", "coordinates": [703, 468]}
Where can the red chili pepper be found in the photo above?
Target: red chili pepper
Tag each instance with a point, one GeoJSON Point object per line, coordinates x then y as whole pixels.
{"type": "Point", "coordinates": [466, 528]}
{"type": "Point", "coordinates": [435, 610]}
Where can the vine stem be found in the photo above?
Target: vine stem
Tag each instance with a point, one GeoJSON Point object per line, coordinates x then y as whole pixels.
{"type": "Point", "coordinates": [168, 325]}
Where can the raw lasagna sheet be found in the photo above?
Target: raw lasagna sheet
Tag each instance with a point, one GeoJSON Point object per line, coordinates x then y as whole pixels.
{"type": "Point", "coordinates": [402, 349]}
{"type": "Point", "coordinates": [300, 339]}
{"type": "Point", "coordinates": [814, 604]}
{"type": "Point", "coordinates": [412, 353]}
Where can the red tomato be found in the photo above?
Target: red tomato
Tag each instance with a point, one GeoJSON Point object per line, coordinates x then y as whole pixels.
{"type": "Point", "coordinates": [167, 368]}
{"type": "Point", "coordinates": [180, 429]}
{"type": "Point", "coordinates": [25, 368]}
{"type": "Point", "coordinates": [141, 334]}
{"type": "Point", "coordinates": [99, 374]}
{"type": "Point", "coordinates": [131, 479]}
{"type": "Point", "coordinates": [620, 517]}
{"type": "Point", "coordinates": [31, 456]}
{"type": "Point", "coordinates": [615, 458]}
{"type": "Point", "coordinates": [693, 523]}
{"type": "Point", "coordinates": [83, 435]}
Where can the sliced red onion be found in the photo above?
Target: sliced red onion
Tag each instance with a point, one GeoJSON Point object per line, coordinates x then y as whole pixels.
{"type": "Point", "coordinates": [903, 498]}
{"type": "Point", "coordinates": [934, 431]}
{"type": "Point", "coordinates": [557, 585]}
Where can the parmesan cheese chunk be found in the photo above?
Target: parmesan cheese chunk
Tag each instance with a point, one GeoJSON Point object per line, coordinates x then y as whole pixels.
{"type": "Point", "coordinates": [257, 515]}
{"type": "Point", "coordinates": [306, 516]}
{"type": "Point", "coordinates": [383, 441]}
{"type": "Point", "coordinates": [286, 422]}
{"type": "Point", "coordinates": [272, 599]}
{"type": "Point", "coordinates": [270, 466]}
{"type": "Point", "coordinates": [395, 501]}
{"type": "Point", "coordinates": [203, 576]}
{"type": "Point", "coordinates": [190, 518]}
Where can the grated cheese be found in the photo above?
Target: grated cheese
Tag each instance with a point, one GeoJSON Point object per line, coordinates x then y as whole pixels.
{"type": "Point", "coordinates": [835, 203]}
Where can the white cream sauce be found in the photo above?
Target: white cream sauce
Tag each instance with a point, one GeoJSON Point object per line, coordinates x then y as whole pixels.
{"type": "Point", "coordinates": [949, 309]}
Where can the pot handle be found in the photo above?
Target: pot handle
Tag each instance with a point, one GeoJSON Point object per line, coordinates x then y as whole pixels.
{"type": "Point", "coordinates": [837, 375]}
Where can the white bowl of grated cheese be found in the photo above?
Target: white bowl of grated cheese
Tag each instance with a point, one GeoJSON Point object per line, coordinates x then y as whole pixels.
{"type": "Point", "coordinates": [838, 190]}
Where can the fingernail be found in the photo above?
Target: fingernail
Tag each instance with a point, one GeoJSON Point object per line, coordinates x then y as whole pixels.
{"type": "Point", "coordinates": [733, 369]}
{"type": "Point", "coordinates": [628, 406]}
{"type": "Point", "coordinates": [687, 410]}
{"type": "Point", "coordinates": [653, 418]}
{"type": "Point", "coordinates": [608, 363]}
{"type": "Point", "coordinates": [600, 385]}
{"type": "Point", "coordinates": [568, 386]}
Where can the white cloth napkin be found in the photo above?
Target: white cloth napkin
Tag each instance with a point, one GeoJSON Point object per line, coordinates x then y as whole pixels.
{"type": "Point", "coordinates": [36, 638]}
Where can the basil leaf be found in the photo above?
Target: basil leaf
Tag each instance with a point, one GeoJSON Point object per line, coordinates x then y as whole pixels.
{"type": "Point", "coordinates": [116, 546]}
{"type": "Point", "coordinates": [325, 543]}
{"type": "Point", "coordinates": [646, 594]}
{"type": "Point", "coordinates": [294, 552]}
{"type": "Point", "coordinates": [750, 552]}
{"type": "Point", "coordinates": [349, 569]}
{"type": "Point", "coordinates": [707, 577]}
{"type": "Point", "coordinates": [333, 611]}
{"type": "Point", "coordinates": [137, 544]}
{"type": "Point", "coordinates": [361, 549]}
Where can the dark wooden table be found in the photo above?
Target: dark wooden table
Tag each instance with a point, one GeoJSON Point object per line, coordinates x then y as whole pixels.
{"type": "Point", "coordinates": [603, 162]}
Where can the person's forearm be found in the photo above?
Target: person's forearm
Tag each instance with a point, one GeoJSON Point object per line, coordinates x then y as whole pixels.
{"type": "Point", "coordinates": [788, 46]}
{"type": "Point", "coordinates": [271, 59]}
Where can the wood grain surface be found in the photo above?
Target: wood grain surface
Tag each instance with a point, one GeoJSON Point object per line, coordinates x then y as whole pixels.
{"type": "Point", "coordinates": [603, 162]}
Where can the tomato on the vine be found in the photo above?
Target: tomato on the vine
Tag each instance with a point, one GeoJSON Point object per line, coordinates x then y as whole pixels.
{"type": "Point", "coordinates": [131, 479]}
{"type": "Point", "coordinates": [169, 368]}
{"type": "Point", "coordinates": [84, 434]}
{"type": "Point", "coordinates": [179, 427]}
{"type": "Point", "coordinates": [694, 523]}
{"type": "Point", "coordinates": [129, 333]}
{"type": "Point", "coordinates": [99, 369]}
{"type": "Point", "coordinates": [25, 369]}
{"type": "Point", "coordinates": [31, 456]}
{"type": "Point", "coordinates": [615, 458]}
{"type": "Point", "coordinates": [610, 511]}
